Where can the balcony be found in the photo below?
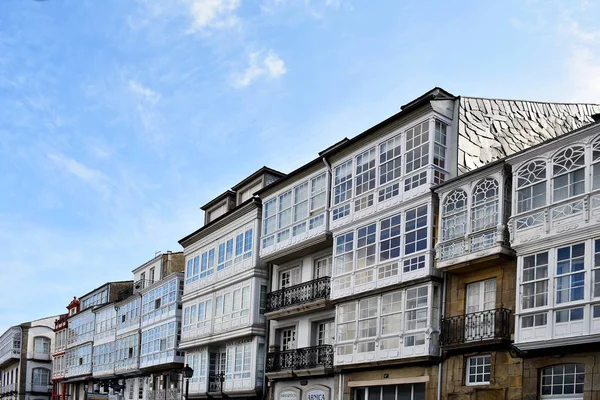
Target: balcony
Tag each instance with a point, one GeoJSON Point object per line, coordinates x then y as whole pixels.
{"type": "Point", "coordinates": [10, 356]}
{"type": "Point", "coordinates": [300, 298]}
{"type": "Point", "coordinates": [480, 328]}
{"type": "Point", "coordinates": [299, 360]}
{"type": "Point", "coordinates": [38, 356]}
{"type": "Point", "coordinates": [215, 383]}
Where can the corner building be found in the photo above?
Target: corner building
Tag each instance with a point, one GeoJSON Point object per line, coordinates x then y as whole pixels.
{"type": "Point", "coordinates": [224, 299]}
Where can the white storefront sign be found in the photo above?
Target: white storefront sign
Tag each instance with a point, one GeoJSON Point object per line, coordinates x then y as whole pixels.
{"type": "Point", "coordinates": [315, 394]}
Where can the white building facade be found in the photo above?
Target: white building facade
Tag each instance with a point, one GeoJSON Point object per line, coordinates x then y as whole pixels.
{"type": "Point", "coordinates": [296, 245]}
{"type": "Point", "coordinates": [223, 333]}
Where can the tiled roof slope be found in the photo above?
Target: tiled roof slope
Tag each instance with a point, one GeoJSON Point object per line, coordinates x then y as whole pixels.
{"type": "Point", "coordinates": [491, 129]}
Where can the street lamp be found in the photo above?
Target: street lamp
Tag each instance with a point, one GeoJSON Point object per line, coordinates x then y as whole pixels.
{"type": "Point", "coordinates": [188, 372]}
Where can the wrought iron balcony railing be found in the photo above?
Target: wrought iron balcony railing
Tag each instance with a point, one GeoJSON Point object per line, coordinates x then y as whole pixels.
{"type": "Point", "coordinates": [304, 358]}
{"type": "Point", "coordinates": [215, 382]}
{"type": "Point", "coordinates": [303, 293]}
{"type": "Point", "coordinates": [475, 327]}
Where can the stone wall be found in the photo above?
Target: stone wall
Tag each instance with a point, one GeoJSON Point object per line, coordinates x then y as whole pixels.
{"type": "Point", "coordinates": [505, 378]}
{"type": "Point", "coordinates": [505, 274]}
{"type": "Point", "coordinates": [532, 368]}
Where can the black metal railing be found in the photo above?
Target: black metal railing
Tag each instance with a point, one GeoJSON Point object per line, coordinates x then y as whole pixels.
{"type": "Point", "coordinates": [215, 382]}
{"type": "Point", "coordinates": [474, 327]}
{"type": "Point", "coordinates": [307, 292]}
{"type": "Point", "coordinates": [304, 358]}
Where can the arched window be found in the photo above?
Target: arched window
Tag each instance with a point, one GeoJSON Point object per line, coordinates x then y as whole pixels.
{"type": "Point", "coordinates": [454, 219]}
{"type": "Point", "coordinates": [41, 376]}
{"type": "Point", "coordinates": [568, 173]}
{"type": "Point", "coordinates": [563, 379]}
{"type": "Point", "coordinates": [41, 345]}
{"type": "Point", "coordinates": [531, 186]}
{"type": "Point", "coordinates": [596, 164]}
{"type": "Point", "coordinates": [484, 210]}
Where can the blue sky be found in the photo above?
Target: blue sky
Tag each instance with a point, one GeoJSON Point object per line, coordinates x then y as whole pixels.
{"type": "Point", "coordinates": [119, 118]}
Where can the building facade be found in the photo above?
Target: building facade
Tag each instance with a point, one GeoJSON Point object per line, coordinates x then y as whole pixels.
{"type": "Point", "coordinates": [555, 231]}
{"type": "Point", "coordinates": [79, 382]}
{"type": "Point", "coordinates": [295, 244]}
{"type": "Point", "coordinates": [26, 361]}
{"type": "Point", "coordinates": [225, 290]}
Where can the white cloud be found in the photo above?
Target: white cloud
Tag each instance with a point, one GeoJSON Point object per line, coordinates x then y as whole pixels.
{"type": "Point", "coordinates": [143, 93]}
{"type": "Point", "coordinates": [213, 14]}
{"type": "Point", "coordinates": [581, 35]}
{"type": "Point", "coordinates": [269, 65]}
{"type": "Point", "coordinates": [152, 120]}
{"type": "Point", "coordinates": [96, 179]}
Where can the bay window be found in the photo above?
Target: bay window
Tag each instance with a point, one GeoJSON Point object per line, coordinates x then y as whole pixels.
{"type": "Point", "coordinates": [342, 182]}
{"type": "Point", "coordinates": [41, 345]}
{"type": "Point", "coordinates": [558, 299]}
{"type": "Point", "coordinates": [381, 242]}
{"type": "Point", "coordinates": [381, 322]}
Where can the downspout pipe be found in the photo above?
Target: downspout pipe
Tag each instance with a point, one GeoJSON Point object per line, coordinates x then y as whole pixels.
{"type": "Point", "coordinates": [441, 363]}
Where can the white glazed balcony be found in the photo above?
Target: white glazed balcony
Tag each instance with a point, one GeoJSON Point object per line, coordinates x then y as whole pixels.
{"type": "Point", "coordinates": [569, 215]}
{"type": "Point", "coordinates": [163, 357]}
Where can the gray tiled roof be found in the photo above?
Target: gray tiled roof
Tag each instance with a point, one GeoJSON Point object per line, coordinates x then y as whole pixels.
{"type": "Point", "coordinates": [491, 129]}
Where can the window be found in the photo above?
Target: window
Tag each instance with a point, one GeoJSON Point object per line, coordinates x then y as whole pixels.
{"type": "Point", "coordinates": [531, 186]}
{"type": "Point", "coordinates": [342, 188]}
{"type": "Point", "coordinates": [573, 314]}
{"type": "Point", "coordinates": [289, 277]}
{"type": "Point", "coordinates": [563, 379]}
{"type": "Point", "coordinates": [390, 160]}
{"type": "Point", "coordinates": [344, 253]}
{"type": "Point", "coordinates": [454, 220]}
{"type": "Point", "coordinates": [484, 212]}
{"type": "Point", "coordinates": [41, 345]}
{"type": "Point", "coordinates": [391, 313]}
{"type": "Point", "coordinates": [570, 277]}
{"type": "Point", "coordinates": [40, 376]}
{"type": "Point", "coordinates": [568, 173]}
{"type": "Point", "coordinates": [325, 335]}
{"type": "Point", "coordinates": [365, 246]}
{"type": "Point", "coordinates": [478, 370]}
{"type": "Point", "coordinates": [439, 149]}
{"type": "Point", "coordinates": [367, 323]}
{"type": "Point", "coordinates": [416, 308]}
{"type": "Point", "coordinates": [163, 296]}
{"type": "Point", "coordinates": [389, 238]}
{"type": "Point", "coordinates": [288, 339]}
{"type": "Point", "coordinates": [300, 202]}
{"type": "Point", "coordinates": [596, 268]}
{"type": "Point", "coordinates": [365, 171]}
{"type": "Point", "coordinates": [535, 281]}
{"type": "Point", "coordinates": [530, 321]}
{"type": "Point", "coordinates": [415, 391]}
{"type": "Point", "coordinates": [270, 217]}
{"type": "Point", "coordinates": [417, 147]}
{"type": "Point", "coordinates": [318, 187]}
{"type": "Point", "coordinates": [158, 339]}
{"type": "Point", "coordinates": [322, 267]}
{"type": "Point", "coordinates": [285, 209]}
{"type": "Point", "coordinates": [415, 230]}
{"type": "Point", "coordinates": [346, 322]}
{"type": "Point", "coordinates": [596, 165]}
